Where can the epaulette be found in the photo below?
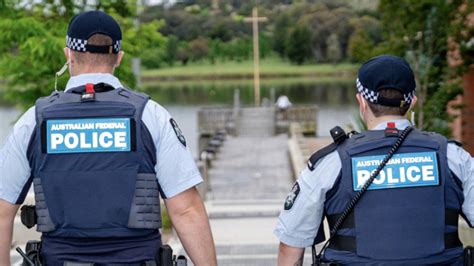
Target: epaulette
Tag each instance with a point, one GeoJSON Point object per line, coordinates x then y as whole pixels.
{"type": "Point", "coordinates": [320, 154]}
{"type": "Point", "coordinates": [339, 136]}
{"type": "Point", "coordinates": [457, 143]}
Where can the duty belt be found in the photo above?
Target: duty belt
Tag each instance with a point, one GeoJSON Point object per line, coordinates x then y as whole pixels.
{"type": "Point", "coordinates": [146, 263]}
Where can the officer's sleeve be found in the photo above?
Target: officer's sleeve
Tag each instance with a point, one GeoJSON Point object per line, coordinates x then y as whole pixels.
{"type": "Point", "coordinates": [461, 164]}
{"type": "Point", "coordinates": [175, 168]}
{"type": "Point", "coordinates": [299, 222]}
{"type": "Point", "coordinates": [14, 166]}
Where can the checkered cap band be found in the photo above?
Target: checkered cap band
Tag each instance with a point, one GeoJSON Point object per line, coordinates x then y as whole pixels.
{"type": "Point", "coordinates": [369, 95]}
{"type": "Point", "coordinates": [409, 97]}
{"type": "Point", "coordinates": [117, 46]}
{"type": "Point", "coordinates": [373, 96]}
{"type": "Point", "coordinates": [80, 45]}
{"type": "Point", "coordinates": [76, 44]}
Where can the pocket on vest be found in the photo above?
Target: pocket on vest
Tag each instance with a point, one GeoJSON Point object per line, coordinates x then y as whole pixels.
{"type": "Point", "coordinates": [90, 199]}
{"type": "Point", "coordinates": [145, 208]}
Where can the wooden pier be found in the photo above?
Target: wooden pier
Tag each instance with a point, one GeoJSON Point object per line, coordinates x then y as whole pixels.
{"type": "Point", "coordinates": [248, 177]}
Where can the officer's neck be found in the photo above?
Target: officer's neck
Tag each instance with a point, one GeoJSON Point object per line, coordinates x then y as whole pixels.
{"type": "Point", "coordinates": [372, 121]}
{"type": "Point", "coordinates": [79, 70]}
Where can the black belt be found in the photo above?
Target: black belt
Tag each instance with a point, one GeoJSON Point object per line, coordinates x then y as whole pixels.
{"type": "Point", "coordinates": [348, 243]}
{"type": "Point", "coordinates": [451, 217]}
{"type": "Point", "coordinates": [146, 263]}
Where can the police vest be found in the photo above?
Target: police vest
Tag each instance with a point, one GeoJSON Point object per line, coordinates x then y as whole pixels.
{"type": "Point", "coordinates": [93, 165]}
{"type": "Point", "coordinates": [409, 213]}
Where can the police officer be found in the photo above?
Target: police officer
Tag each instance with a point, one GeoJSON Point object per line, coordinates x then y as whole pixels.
{"type": "Point", "coordinates": [409, 214]}
{"type": "Point", "coordinates": [99, 157]}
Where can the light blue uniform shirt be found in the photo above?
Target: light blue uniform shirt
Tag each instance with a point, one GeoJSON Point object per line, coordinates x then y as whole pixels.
{"type": "Point", "coordinates": [298, 226]}
{"type": "Point", "coordinates": [176, 170]}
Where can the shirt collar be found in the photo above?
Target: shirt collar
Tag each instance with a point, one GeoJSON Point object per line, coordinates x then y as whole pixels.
{"type": "Point", "coordinates": [94, 78]}
{"type": "Point", "coordinates": [400, 124]}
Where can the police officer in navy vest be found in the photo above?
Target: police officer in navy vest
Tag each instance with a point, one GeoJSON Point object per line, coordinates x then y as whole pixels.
{"type": "Point", "coordinates": [409, 213]}
{"type": "Point", "coordinates": [99, 157]}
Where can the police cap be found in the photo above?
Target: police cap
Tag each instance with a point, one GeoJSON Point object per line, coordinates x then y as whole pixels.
{"type": "Point", "coordinates": [84, 25]}
{"type": "Point", "coordinates": [386, 72]}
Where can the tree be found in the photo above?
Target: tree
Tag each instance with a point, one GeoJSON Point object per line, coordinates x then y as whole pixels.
{"type": "Point", "coordinates": [298, 45]}
{"type": "Point", "coordinates": [324, 19]}
{"type": "Point", "coordinates": [420, 30]}
{"type": "Point", "coordinates": [280, 33]}
{"type": "Point", "coordinates": [334, 53]}
{"type": "Point", "coordinates": [32, 40]}
{"type": "Point", "coordinates": [364, 41]}
{"type": "Point", "coordinates": [199, 48]}
{"type": "Point", "coordinates": [360, 46]}
{"type": "Point", "coordinates": [171, 50]}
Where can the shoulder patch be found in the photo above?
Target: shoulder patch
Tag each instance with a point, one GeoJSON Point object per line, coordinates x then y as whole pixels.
{"type": "Point", "coordinates": [320, 154]}
{"type": "Point", "coordinates": [178, 132]}
{"type": "Point", "coordinates": [291, 198]}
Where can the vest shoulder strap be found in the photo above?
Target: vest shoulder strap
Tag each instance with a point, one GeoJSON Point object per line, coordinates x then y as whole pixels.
{"type": "Point", "coordinates": [318, 155]}
{"type": "Point", "coordinates": [339, 136]}
{"type": "Point", "coordinates": [137, 99]}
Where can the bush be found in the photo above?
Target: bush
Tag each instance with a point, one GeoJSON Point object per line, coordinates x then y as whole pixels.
{"type": "Point", "coordinates": [298, 45]}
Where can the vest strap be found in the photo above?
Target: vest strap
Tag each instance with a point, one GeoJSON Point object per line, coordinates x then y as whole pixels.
{"type": "Point", "coordinates": [349, 222]}
{"type": "Point", "coordinates": [348, 243]}
{"type": "Point", "coordinates": [451, 218]}
{"type": "Point", "coordinates": [145, 263]}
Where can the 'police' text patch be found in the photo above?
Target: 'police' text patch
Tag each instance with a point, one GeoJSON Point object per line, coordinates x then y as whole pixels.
{"type": "Point", "coordinates": [88, 135]}
{"type": "Point", "coordinates": [402, 170]}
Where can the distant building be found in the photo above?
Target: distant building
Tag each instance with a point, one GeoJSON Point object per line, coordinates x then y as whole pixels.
{"type": "Point", "coordinates": [463, 125]}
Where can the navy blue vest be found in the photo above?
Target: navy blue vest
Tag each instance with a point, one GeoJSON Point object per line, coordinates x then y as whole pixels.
{"type": "Point", "coordinates": [93, 164]}
{"type": "Point", "coordinates": [409, 215]}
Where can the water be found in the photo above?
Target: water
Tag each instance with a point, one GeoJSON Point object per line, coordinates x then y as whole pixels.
{"type": "Point", "coordinates": [336, 101]}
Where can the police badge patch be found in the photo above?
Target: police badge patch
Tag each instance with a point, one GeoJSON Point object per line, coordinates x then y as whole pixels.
{"type": "Point", "coordinates": [290, 199]}
{"type": "Point", "coordinates": [178, 132]}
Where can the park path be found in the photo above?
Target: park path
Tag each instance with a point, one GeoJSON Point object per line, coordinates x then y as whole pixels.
{"type": "Point", "coordinates": [248, 183]}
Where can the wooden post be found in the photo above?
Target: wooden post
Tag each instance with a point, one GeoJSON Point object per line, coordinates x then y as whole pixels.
{"type": "Point", "coordinates": [215, 6]}
{"type": "Point", "coordinates": [256, 52]}
{"type": "Point", "coordinates": [235, 112]}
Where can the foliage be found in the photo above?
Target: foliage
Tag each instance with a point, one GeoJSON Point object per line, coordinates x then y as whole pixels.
{"type": "Point", "coordinates": [365, 39]}
{"type": "Point", "coordinates": [199, 48]}
{"type": "Point", "coordinates": [171, 50]}
{"type": "Point", "coordinates": [33, 37]}
{"type": "Point", "coordinates": [420, 30]}
{"type": "Point", "coordinates": [225, 28]}
{"type": "Point", "coordinates": [25, 38]}
{"type": "Point", "coordinates": [298, 47]}
{"type": "Point", "coordinates": [280, 34]}
{"type": "Point", "coordinates": [334, 52]}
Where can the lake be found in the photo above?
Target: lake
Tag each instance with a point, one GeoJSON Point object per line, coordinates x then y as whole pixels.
{"type": "Point", "coordinates": [335, 99]}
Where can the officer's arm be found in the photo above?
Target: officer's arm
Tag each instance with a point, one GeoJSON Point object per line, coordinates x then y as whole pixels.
{"type": "Point", "coordinates": [290, 255]}
{"type": "Point", "coordinates": [189, 218]}
{"type": "Point", "coordinates": [7, 216]}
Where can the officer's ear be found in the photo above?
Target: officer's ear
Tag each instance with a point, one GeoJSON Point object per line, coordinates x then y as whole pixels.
{"type": "Point", "coordinates": [69, 56]}
{"type": "Point", "coordinates": [119, 58]}
{"type": "Point", "coordinates": [362, 103]}
{"type": "Point", "coordinates": [67, 53]}
{"type": "Point", "coordinates": [413, 103]}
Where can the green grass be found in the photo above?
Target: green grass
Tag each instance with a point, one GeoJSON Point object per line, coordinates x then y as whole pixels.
{"type": "Point", "coordinates": [268, 66]}
{"type": "Point", "coordinates": [247, 82]}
